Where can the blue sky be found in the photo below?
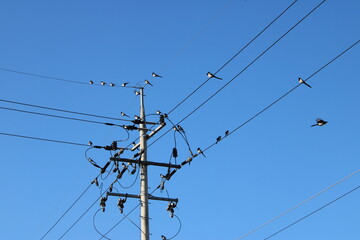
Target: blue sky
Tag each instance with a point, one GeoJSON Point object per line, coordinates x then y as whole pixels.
{"type": "Point", "coordinates": [266, 167]}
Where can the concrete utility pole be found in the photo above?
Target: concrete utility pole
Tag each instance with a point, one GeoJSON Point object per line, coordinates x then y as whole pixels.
{"type": "Point", "coordinates": [144, 201]}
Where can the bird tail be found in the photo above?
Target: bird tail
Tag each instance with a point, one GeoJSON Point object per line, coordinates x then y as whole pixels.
{"type": "Point", "coordinates": [313, 125]}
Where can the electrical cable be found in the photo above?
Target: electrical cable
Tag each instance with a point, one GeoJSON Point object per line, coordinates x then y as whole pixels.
{"type": "Point", "coordinates": [61, 110]}
{"type": "Point", "coordinates": [180, 225]}
{"type": "Point", "coordinates": [62, 117]}
{"type": "Point", "coordinates": [43, 139]}
{"type": "Point", "coordinates": [63, 215]}
{"type": "Point", "coordinates": [284, 95]}
{"type": "Point", "coordinates": [298, 205]}
{"type": "Point", "coordinates": [94, 225]}
{"type": "Point", "coordinates": [233, 57]}
{"type": "Point", "coordinates": [244, 69]}
{"type": "Point", "coordinates": [49, 77]}
{"type": "Point", "coordinates": [308, 215]}
{"type": "Point", "coordinates": [131, 185]}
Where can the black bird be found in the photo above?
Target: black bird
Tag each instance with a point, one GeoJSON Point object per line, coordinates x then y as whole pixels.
{"type": "Point", "coordinates": [158, 112]}
{"type": "Point", "coordinates": [124, 84]}
{"type": "Point", "coordinates": [90, 143]}
{"type": "Point", "coordinates": [319, 122]}
{"type": "Point", "coordinates": [210, 75]}
{"type": "Point", "coordinates": [137, 93]}
{"type": "Point", "coordinates": [218, 139]}
{"type": "Point", "coordinates": [124, 114]}
{"type": "Point", "coordinates": [200, 152]}
{"type": "Point", "coordinates": [112, 84]}
{"type": "Point", "coordinates": [147, 82]}
{"type": "Point", "coordinates": [303, 82]}
{"type": "Point", "coordinates": [180, 129]}
{"type": "Point", "coordinates": [156, 75]}
{"type": "Point", "coordinates": [91, 82]}
{"type": "Point", "coordinates": [102, 83]}
{"type": "Point", "coordinates": [136, 117]}
{"type": "Point", "coordinates": [227, 133]}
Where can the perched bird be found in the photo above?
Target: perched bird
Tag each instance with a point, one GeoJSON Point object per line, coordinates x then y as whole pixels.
{"type": "Point", "coordinates": [91, 82]}
{"type": "Point", "coordinates": [149, 83]}
{"type": "Point", "coordinates": [124, 114]}
{"type": "Point", "coordinates": [124, 84]}
{"type": "Point", "coordinates": [227, 133]}
{"type": "Point", "coordinates": [180, 128]}
{"type": "Point", "coordinates": [210, 75]}
{"type": "Point", "coordinates": [200, 152]}
{"type": "Point", "coordinates": [158, 112]}
{"type": "Point", "coordinates": [112, 84]}
{"type": "Point", "coordinates": [156, 75]}
{"type": "Point", "coordinates": [319, 122]}
{"type": "Point", "coordinates": [102, 83]}
{"type": "Point", "coordinates": [136, 117]}
{"type": "Point", "coordinates": [90, 143]}
{"type": "Point", "coordinates": [303, 82]}
{"type": "Point", "coordinates": [137, 93]}
{"type": "Point", "coordinates": [218, 139]}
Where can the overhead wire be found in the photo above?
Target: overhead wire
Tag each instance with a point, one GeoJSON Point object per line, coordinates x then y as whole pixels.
{"type": "Point", "coordinates": [298, 205]}
{"type": "Point", "coordinates": [313, 212]}
{"type": "Point", "coordinates": [233, 57]}
{"type": "Point", "coordinates": [62, 110]}
{"type": "Point", "coordinates": [94, 225]}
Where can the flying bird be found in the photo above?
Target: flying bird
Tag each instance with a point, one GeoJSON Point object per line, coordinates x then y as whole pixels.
{"type": "Point", "coordinates": [156, 75]}
{"type": "Point", "coordinates": [319, 122]}
{"type": "Point", "coordinates": [149, 83]}
{"type": "Point", "coordinates": [124, 114]}
{"type": "Point", "coordinates": [303, 82]}
{"type": "Point", "coordinates": [200, 152]}
{"type": "Point", "coordinates": [124, 84]}
{"type": "Point", "coordinates": [102, 83]}
{"type": "Point", "coordinates": [91, 82]}
{"type": "Point", "coordinates": [210, 75]}
{"type": "Point", "coordinates": [112, 84]}
{"type": "Point", "coordinates": [218, 139]}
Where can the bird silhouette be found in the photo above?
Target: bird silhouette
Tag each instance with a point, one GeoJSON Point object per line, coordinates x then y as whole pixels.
{"type": "Point", "coordinates": [102, 83]}
{"type": "Point", "coordinates": [124, 114]}
{"type": "Point", "coordinates": [124, 84]}
{"type": "Point", "coordinates": [210, 75]}
{"type": "Point", "coordinates": [319, 122]}
{"type": "Point", "coordinates": [112, 84]}
{"type": "Point", "coordinates": [227, 133]}
{"type": "Point", "coordinates": [303, 82]}
{"type": "Point", "coordinates": [180, 129]}
{"type": "Point", "coordinates": [91, 82]}
{"type": "Point", "coordinates": [218, 139]}
{"type": "Point", "coordinates": [156, 75]}
{"type": "Point", "coordinates": [158, 112]}
{"type": "Point", "coordinates": [200, 152]}
{"type": "Point", "coordinates": [137, 93]}
{"type": "Point", "coordinates": [90, 143]}
{"type": "Point", "coordinates": [149, 83]}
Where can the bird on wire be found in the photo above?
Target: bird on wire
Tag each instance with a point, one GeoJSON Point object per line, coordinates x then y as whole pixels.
{"type": "Point", "coordinates": [210, 75]}
{"type": "Point", "coordinates": [319, 122]}
{"type": "Point", "coordinates": [156, 75]}
{"type": "Point", "coordinates": [124, 84]}
{"type": "Point", "coordinates": [148, 83]}
{"type": "Point", "coordinates": [124, 114]}
{"type": "Point", "coordinates": [303, 82]}
{"type": "Point", "coordinates": [200, 152]}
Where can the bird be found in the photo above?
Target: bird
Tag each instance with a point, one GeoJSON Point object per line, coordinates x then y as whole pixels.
{"type": "Point", "coordinates": [156, 75]}
{"type": "Point", "coordinates": [303, 82]}
{"type": "Point", "coordinates": [158, 112]}
{"type": "Point", "coordinates": [91, 82]}
{"type": "Point", "coordinates": [136, 117]}
{"type": "Point", "coordinates": [319, 122]}
{"type": "Point", "coordinates": [218, 139]}
{"type": "Point", "coordinates": [210, 75]}
{"type": "Point", "coordinates": [200, 152]}
{"type": "Point", "coordinates": [227, 133]}
{"type": "Point", "coordinates": [112, 84]}
{"type": "Point", "coordinates": [147, 82]}
{"type": "Point", "coordinates": [124, 84]}
{"type": "Point", "coordinates": [90, 143]}
{"type": "Point", "coordinates": [102, 83]}
{"type": "Point", "coordinates": [137, 93]}
{"type": "Point", "coordinates": [124, 114]}
{"type": "Point", "coordinates": [180, 128]}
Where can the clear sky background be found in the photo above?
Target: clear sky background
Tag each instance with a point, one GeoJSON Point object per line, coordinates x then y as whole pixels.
{"type": "Point", "coordinates": [266, 167]}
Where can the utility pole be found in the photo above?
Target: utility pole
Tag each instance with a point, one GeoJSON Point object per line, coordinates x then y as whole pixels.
{"type": "Point", "coordinates": [144, 204]}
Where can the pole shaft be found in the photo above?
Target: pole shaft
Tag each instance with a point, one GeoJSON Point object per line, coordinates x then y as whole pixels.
{"type": "Point", "coordinates": [144, 211]}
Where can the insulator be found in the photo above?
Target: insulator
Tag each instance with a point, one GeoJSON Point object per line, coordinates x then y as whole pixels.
{"type": "Point", "coordinates": [175, 153]}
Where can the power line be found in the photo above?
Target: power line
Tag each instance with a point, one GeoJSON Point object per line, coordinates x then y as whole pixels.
{"type": "Point", "coordinates": [233, 57]}
{"type": "Point", "coordinates": [63, 215]}
{"type": "Point", "coordinates": [284, 95]}
{"type": "Point", "coordinates": [308, 215]}
{"type": "Point", "coordinates": [298, 205]}
{"type": "Point", "coordinates": [48, 77]}
{"type": "Point", "coordinates": [243, 70]}
{"type": "Point", "coordinates": [61, 110]}
{"type": "Point", "coordinates": [57, 116]}
{"type": "Point", "coordinates": [43, 139]}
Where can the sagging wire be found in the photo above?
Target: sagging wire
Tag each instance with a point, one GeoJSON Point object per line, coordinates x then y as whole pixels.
{"type": "Point", "coordinates": [180, 225]}
{"type": "Point", "coordinates": [94, 225]}
{"type": "Point", "coordinates": [181, 131]}
{"type": "Point", "coordinates": [135, 170]}
{"type": "Point", "coordinates": [127, 138]}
